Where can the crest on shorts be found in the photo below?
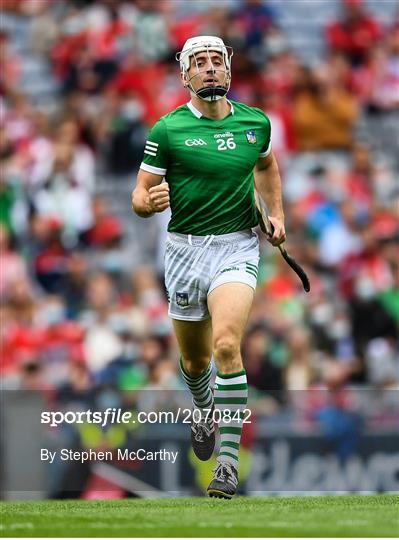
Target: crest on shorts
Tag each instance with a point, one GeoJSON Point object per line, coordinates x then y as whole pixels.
{"type": "Point", "coordinates": [251, 136]}
{"type": "Point", "coordinates": [182, 299]}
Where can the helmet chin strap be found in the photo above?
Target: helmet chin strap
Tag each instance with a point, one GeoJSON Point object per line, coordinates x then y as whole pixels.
{"type": "Point", "coordinates": [211, 94]}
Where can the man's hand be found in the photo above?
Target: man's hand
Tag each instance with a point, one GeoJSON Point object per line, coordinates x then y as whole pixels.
{"type": "Point", "coordinates": [159, 197]}
{"type": "Point", "coordinates": [277, 235]}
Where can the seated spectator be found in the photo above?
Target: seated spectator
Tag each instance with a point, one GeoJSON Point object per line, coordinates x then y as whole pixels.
{"type": "Point", "coordinates": [358, 184]}
{"type": "Point", "coordinates": [78, 391]}
{"type": "Point", "coordinates": [102, 344]}
{"type": "Point", "coordinates": [340, 238]}
{"type": "Point", "coordinates": [140, 79]}
{"type": "Point", "coordinates": [151, 300]}
{"type": "Point", "coordinates": [365, 279]}
{"type": "Point", "coordinates": [48, 253]}
{"type": "Point", "coordinates": [245, 80]}
{"type": "Point", "coordinates": [264, 362]}
{"type": "Point", "coordinates": [283, 285]}
{"type": "Point", "coordinates": [44, 29]}
{"type": "Point", "coordinates": [8, 197]}
{"type": "Point", "coordinates": [82, 160]}
{"type": "Point", "coordinates": [254, 19]}
{"type": "Point", "coordinates": [323, 112]}
{"type": "Point", "coordinates": [13, 266]}
{"type": "Point", "coordinates": [20, 338]}
{"type": "Point", "coordinates": [10, 66]}
{"type": "Point", "coordinates": [105, 227]}
{"type": "Point", "coordinates": [367, 272]}
{"type": "Point", "coordinates": [382, 363]}
{"type": "Point", "coordinates": [331, 408]}
{"type": "Point", "coordinates": [62, 197]}
{"type": "Point", "coordinates": [280, 117]}
{"type": "Point", "coordinates": [298, 373]}
{"type": "Point", "coordinates": [151, 31]}
{"type": "Point", "coordinates": [355, 34]}
{"type": "Point", "coordinates": [377, 82]}
{"type": "Point", "coordinates": [39, 152]}
{"type": "Point", "coordinates": [22, 303]}
{"type": "Point", "coordinates": [125, 133]}
{"type": "Point", "coordinates": [75, 284]}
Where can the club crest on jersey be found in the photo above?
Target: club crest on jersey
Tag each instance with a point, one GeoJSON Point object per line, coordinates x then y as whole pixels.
{"type": "Point", "coordinates": [251, 136]}
{"type": "Point", "coordinates": [182, 299]}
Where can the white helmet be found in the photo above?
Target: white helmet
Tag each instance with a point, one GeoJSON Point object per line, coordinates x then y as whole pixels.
{"type": "Point", "coordinates": [206, 43]}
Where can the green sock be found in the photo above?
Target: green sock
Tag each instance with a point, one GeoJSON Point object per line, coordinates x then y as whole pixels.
{"type": "Point", "coordinates": [200, 388]}
{"type": "Point", "coordinates": [231, 394]}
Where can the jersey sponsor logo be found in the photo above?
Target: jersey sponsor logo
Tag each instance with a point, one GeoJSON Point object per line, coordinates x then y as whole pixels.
{"type": "Point", "coordinates": [182, 299]}
{"type": "Point", "coordinates": [151, 148]}
{"type": "Point", "coordinates": [251, 137]}
{"type": "Point", "coordinates": [221, 135]}
{"type": "Point", "coordinates": [194, 142]}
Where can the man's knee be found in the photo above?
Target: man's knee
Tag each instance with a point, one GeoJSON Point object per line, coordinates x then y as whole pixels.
{"type": "Point", "coordinates": [195, 367]}
{"type": "Point", "coordinates": [226, 348]}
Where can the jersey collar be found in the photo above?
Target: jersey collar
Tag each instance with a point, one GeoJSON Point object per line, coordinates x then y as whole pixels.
{"type": "Point", "coordinates": [198, 113]}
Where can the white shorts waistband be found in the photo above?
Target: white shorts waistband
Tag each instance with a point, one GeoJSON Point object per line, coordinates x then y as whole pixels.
{"type": "Point", "coordinates": [178, 238]}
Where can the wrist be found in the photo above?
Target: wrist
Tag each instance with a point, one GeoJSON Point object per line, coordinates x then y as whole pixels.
{"type": "Point", "coordinates": [277, 215]}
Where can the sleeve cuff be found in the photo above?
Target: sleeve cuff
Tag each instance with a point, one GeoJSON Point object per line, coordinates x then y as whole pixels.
{"type": "Point", "coordinates": [267, 151]}
{"type": "Point", "coordinates": [152, 169]}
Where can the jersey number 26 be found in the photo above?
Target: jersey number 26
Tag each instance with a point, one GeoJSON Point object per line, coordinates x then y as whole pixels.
{"type": "Point", "coordinates": [224, 144]}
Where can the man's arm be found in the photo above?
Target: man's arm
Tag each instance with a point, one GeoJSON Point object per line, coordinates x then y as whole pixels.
{"type": "Point", "coordinates": [150, 194]}
{"type": "Point", "coordinates": [268, 184]}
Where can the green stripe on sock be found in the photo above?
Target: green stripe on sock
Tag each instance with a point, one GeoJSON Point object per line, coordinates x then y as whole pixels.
{"type": "Point", "coordinates": [206, 405]}
{"type": "Point", "coordinates": [231, 375]}
{"type": "Point", "coordinates": [198, 380]}
{"type": "Point", "coordinates": [231, 401]}
{"type": "Point", "coordinates": [250, 265]}
{"type": "Point", "coordinates": [230, 444]}
{"type": "Point", "coordinates": [228, 454]}
{"type": "Point", "coordinates": [230, 430]}
{"type": "Point", "coordinates": [227, 387]}
{"type": "Point", "coordinates": [198, 387]}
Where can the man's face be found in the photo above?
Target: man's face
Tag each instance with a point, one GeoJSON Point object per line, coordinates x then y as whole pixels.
{"type": "Point", "coordinates": [207, 69]}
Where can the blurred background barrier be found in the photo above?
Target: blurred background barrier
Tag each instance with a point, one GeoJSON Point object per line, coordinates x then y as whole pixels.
{"type": "Point", "coordinates": [83, 308]}
{"type": "Point", "coordinates": [327, 444]}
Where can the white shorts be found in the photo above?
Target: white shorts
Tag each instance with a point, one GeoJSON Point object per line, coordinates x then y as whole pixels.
{"type": "Point", "coordinates": [195, 265]}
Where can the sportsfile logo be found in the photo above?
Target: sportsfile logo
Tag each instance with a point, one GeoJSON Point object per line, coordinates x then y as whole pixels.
{"type": "Point", "coordinates": [194, 142]}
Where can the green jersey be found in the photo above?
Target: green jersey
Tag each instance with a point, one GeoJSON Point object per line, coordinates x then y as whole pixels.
{"type": "Point", "coordinates": [208, 165]}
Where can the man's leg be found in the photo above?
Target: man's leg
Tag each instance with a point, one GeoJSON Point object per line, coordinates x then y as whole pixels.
{"type": "Point", "coordinates": [229, 305]}
{"type": "Point", "coordinates": [195, 342]}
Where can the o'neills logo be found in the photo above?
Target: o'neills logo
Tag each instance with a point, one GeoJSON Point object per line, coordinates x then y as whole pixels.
{"type": "Point", "coordinates": [223, 135]}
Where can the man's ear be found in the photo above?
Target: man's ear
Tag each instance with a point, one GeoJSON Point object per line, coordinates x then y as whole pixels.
{"type": "Point", "coordinates": [183, 76]}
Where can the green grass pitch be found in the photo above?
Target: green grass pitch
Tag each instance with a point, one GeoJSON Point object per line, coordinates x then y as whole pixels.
{"type": "Point", "coordinates": [353, 515]}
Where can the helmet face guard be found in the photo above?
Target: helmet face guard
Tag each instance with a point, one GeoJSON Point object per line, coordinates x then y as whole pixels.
{"type": "Point", "coordinates": [207, 44]}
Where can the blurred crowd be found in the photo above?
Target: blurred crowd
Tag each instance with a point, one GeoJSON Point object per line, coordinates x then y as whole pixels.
{"type": "Point", "coordinates": [80, 321]}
